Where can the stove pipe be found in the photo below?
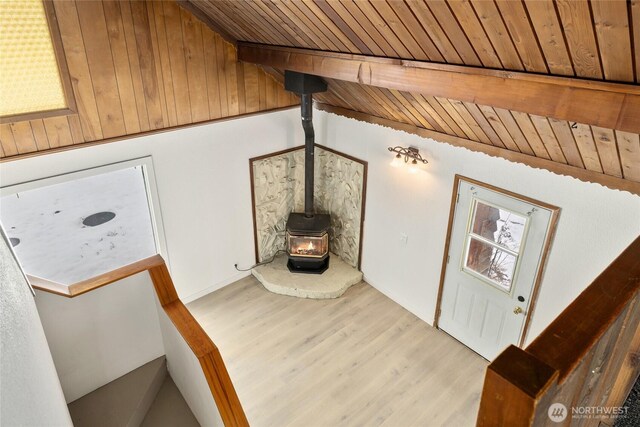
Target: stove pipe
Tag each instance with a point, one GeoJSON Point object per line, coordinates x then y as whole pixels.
{"type": "Point", "coordinates": [305, 85]}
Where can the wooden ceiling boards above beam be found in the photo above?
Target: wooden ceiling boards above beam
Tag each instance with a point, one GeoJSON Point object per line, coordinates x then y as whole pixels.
{"type": "Point", "coordinates": [602, 104]}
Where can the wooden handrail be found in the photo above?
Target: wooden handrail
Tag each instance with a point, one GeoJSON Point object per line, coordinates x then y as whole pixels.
{"type": "Point", "coordinates": [197, 339]}
{"type": "Point", "coordinates": [95, 282]}
{"type": "Point", "coordinates": [200, 343]}
{"type": "Point", "coordinates": [581, 359]}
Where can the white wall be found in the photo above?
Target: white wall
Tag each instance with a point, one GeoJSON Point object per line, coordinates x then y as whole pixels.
{"type": "Point", "coordinates": [101, 335]}
{"type": "Point", "coordinates": [186, 372]}
{"type": "Point", "coordinates": [202, 174]}
{"type": "Point", "coordinates": [30, 393]}
{"type": "Point", "coordinates": [596, 223]}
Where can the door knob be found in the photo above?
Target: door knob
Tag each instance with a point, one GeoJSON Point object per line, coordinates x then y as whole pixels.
{"type": "Point", "coordinates": [518, 310]}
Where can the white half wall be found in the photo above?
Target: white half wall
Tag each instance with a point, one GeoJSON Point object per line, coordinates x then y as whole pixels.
{"type": "Point", "coordinates": [596, 223]}
{"type": "Point", "coordinates": [101, 335]}
{"type": "Point", "coordinates": [30, 393]}
{"type": "Point", "coordinates": [202, 175]}
{"type": "Point", "coordinates": [187, 374]}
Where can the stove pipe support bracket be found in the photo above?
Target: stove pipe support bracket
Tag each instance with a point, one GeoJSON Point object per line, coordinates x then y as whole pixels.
{"type": "Point", "coordinates": [305, 85]}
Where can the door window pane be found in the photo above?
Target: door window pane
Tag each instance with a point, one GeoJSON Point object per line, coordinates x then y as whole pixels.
{"type": "Point", "coordinates": [491, 262]}
{"type": "Point", "coordinates": [498, 225]}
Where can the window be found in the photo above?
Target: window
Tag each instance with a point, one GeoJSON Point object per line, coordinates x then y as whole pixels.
{"type": "Point", "coordinates": [33, 79]}
{"type": "Point", "coordinates": [494, 241]}
{"type": "Point", "coordinates": [71, 228]}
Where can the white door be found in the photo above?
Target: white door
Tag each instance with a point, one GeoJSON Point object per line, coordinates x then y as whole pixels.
{"type": "Point", "coordinates": [495, 248]}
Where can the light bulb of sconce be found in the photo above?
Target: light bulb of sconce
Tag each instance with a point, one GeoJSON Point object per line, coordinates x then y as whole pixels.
{"type": "Point", "coordinates": [397, 161]}
{"type": "Point", "coordinates": [414, 167]}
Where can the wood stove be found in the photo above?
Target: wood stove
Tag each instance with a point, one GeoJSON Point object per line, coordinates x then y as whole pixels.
{"type": "Point", "coordinates": [307, 233]}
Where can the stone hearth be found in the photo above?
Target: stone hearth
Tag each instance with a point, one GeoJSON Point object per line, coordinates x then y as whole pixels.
{"type": "Point", "coordinates": [277, 278]}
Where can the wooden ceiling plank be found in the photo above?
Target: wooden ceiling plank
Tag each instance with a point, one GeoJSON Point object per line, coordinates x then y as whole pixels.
{"type": "Point", "coordinates": [514, 130]}
{"type": "Point", "coordinates": [211, 72]}
{"type": "Point", "coordinates": [2, 153]}
{"type": "Point", "coordinates": [578, 30]}
{"type": "Point", "coordinates": [391, 102]}
{"type": "Point", "coordinates": [604, 104]}
{"type": "Point", "coordinates": [75, 53]}
{"type": "Point", "coordinates": [535, 162]}
{"type": "Point", "coordinates": [586, 146]}
{"type": "Point", "coordinates": [607, 151]}
{"type": "Point", "coordinates": [412, 30]}
{"type": "Point", "coordinates": [629, 147]}
{"type": "Point", "coordinates": [196, 74]}
{"type": "Point", "coordinates": [329, 26]}
{"type": "Point", "coordinates": [562, 131]}
{"type": "Point", "coordinates": [40, 134]}
{"type": "Point", "coordinates": [355, 12]}
{"type": "Point", "coordinates": [8, 142]}
{"type": "Point", "coordinates": [230, 60]}
{"type": "Point", "coordinates": [431, 112]}
{"type": "Point", "coordinates": [257, 17]}
{"type": "Point", "coordinates": [453, 32]}
{"type": "Point", "coordinates": [531, 134]}
{"type": "Point", "coordinates": [475, 32]}
{"type": "Point", "coordinates": [499, 127]}
{"type": "Point", "coordinates": [365, 99]}
{"type": "Point", "coordinates": [23, 137]}
{"type": "Point", "coordinates": [387, 30]}
{"type": "Point", "coordinates": [349, 26]}
{"type": "Point", "coordinates": [497, 32]}
{"type": "Point", "coordinates": [103, 75]}
{"type": "Point", "coordinates": [242, 12]}
{"type": "Point", "coordinates": [423, 111]}
{"type": "Point", "coordinates": [548, 138]}
{"type": "Point", "coordinates": [470, 121]}
{"type": "Point", "coordinates": [300, 9]}
{"type": "Point", "coordinates": [411, 109]}
{"type": "Point", "coordinates": [135, 68]}
{"type": "Point", "coordinates": [283, 27]}
{"type": "Point", "coordinates": [291, 26]}
{"type": "Point", "coordinates": [198, 12]}
{"type": "Point", "coordinates": [453, 113]}
{"type": "Point", "coordinates": [158, 83]}
{"type": "Point", "coordinates": [433, 102]}
{"type": "Point", "coordinates": [175, 43]}
{"type": "Point", "coordinates": [549, 31]}
{"type": "Point", "coordinates": [484, 124]}
{"type": "Point", "coordinates": [517, 21]}
{"type": "Point", "coordinates": [251, 87]}
{"type": "Point", "coordinates": [58, 131]}
{"type": "Point", "coordinates": [335, 91]}
{"type": "Point", "coordinates": [614, 39]}
{"type": "Point", "coordinates": [635, 18]}
{"type": "Point", "coordinates": [75, 129]}
{"type": "Point", "coordinates": [115, 31]}
{"type": "Point", "coordinates": [435, 32]}
{"type": "Point", "coordinates": [382, 105]}
{"type": "Point", "coordinates": [221, 18]}
{"type": "Point", "coordinates": [303, 24]}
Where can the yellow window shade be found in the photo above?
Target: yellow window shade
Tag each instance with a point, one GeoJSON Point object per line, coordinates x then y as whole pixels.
{"type": "Point", "coordinates": [29, 77]}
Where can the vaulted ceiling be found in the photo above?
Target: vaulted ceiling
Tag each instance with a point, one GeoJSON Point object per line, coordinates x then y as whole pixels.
{"type": "Point", "coordinates": [574, 39]}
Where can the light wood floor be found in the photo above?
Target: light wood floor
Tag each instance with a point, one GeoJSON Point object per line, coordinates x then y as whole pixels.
{"type": "Point", "coordinates": [360, 359]}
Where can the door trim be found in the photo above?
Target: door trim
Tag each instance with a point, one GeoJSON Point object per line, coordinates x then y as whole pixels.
{"type": "Point", "coordinates": [551, 232]}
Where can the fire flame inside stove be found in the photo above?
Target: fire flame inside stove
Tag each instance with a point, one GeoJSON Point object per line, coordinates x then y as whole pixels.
{"type": "Point", "coordinates": [305, 249]}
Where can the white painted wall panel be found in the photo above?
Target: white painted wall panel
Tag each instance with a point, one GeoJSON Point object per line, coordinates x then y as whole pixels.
{"type": "Point", "coordinates": [30, 393]}
{"type": "Point", "coordinates": [596, 223]}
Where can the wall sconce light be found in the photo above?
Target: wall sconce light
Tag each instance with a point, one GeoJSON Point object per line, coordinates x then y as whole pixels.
{"type": "Point", "coordinates": [410, 155]}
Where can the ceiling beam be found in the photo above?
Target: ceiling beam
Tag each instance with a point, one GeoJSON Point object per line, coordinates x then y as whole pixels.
{"type": "Point", "coordinates": [535, 162]}
{"type": "Point", "coordinates": [604, 104]}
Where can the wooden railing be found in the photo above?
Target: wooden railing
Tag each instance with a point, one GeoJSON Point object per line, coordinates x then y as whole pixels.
{"type": "Point", "coordinates": [587, 360]}
{"type": "Point", "coordinates": [197, 339]}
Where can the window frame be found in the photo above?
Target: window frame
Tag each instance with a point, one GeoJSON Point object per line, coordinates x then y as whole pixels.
{"type": "Point", "coordinates": [469, 234]}
{"type": "Point", "coordinates": [153, 202]}
{"type": "Point", "coordinates": [63, 72]}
